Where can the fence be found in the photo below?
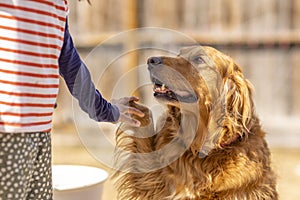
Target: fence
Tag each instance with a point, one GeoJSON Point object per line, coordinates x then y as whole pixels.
{"type": "Point", "coordinates": [263, 36]}
{"type": "Point", "coordinates": [265, 21]}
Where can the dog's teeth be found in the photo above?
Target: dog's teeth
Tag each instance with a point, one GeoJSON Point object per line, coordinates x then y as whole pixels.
{"type": "Point", "coordinates": [157, 89]}
{"type": "Point", "coordinates": [163, 87]}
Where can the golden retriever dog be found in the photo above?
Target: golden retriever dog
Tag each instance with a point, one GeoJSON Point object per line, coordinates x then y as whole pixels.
{"type": "Point", "coordinates": [208, 144]}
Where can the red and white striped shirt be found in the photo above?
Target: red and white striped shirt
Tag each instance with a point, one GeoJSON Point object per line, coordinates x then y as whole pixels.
{"type": "Point", "coordinates": [31, 37]}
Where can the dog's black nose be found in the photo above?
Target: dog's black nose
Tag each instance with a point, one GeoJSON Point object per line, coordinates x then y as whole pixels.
{"type": "Point", "coordinates": [154, 61]}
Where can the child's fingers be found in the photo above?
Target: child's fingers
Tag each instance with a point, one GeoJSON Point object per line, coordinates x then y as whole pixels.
{"type": "Point", "coordinates": [129, 120]}
{"type": "Point", "coordinates": [134, 111]}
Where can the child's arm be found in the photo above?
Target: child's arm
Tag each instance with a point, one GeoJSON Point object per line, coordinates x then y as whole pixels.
{"type": "Point", "coordinates": [79, 83]}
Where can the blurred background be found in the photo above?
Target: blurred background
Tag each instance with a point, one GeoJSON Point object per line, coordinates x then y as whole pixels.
{"type": "Point", "coordinates": [263, 36]}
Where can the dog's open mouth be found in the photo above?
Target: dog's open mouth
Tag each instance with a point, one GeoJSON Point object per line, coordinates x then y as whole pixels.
{"type": "Point", "coordinates": [161, 90]}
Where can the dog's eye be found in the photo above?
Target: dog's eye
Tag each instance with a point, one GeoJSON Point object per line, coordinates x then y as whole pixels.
{"type": "Point", "coordinates": [198, 60]}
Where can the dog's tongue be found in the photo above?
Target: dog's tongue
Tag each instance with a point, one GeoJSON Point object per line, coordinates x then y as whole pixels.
{"type": "Point", "coordinates": [181, 93]}
{"type": "Point", "coordinates": [162, 89]}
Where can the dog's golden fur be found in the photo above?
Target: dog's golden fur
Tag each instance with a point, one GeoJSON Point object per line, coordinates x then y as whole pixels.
{"type": "Point", "coordinates": [209, 143]}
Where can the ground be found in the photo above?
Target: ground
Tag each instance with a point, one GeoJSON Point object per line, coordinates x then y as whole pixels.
{"type": "Point", "coordinates": [68, 149]}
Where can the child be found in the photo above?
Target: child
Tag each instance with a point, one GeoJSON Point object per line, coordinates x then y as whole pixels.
{"type": "Point", "coordinates": [35, 47]}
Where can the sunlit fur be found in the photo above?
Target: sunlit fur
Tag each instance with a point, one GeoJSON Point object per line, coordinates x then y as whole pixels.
{"type": "Point", "coordinates": [228, 158]}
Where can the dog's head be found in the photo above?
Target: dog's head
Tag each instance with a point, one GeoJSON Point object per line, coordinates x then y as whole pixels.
{"type": "Point", "coordinates": [214, 87]}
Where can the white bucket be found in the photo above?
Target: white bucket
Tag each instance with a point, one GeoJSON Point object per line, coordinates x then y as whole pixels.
{"type": "Point", "coordinates": [74, 182]}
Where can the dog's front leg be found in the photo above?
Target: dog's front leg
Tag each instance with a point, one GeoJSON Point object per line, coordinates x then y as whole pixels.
{"type": "Point", "coordinates": [137, 139]}
{"type": "Point", "coordinates": [136, 158]}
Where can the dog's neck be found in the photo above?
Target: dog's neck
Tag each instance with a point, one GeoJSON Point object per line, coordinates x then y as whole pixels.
{"type": "Point", "coordinates": [254, 126]}
{"type": "Point", "coordinates": [232, 140]}
{"type": "Point", "coordinates": [177, 113]}
{"type": "Point", "coordinates": [225, 144]}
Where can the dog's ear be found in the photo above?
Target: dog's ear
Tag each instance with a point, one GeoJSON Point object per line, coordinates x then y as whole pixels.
{"type": "Point", "coordinates": [238, 104]}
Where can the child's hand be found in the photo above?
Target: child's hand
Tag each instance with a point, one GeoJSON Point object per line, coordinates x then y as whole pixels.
{"type": "Point", "coordinates": [126, 111]}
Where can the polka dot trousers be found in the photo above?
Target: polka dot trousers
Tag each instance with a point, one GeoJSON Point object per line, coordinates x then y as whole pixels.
{"type": "Point", "coordinates": [25, 166]}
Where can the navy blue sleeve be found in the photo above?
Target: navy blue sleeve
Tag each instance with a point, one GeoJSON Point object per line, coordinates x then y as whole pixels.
{"type": "Point", "coordinates": [79, 83]}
